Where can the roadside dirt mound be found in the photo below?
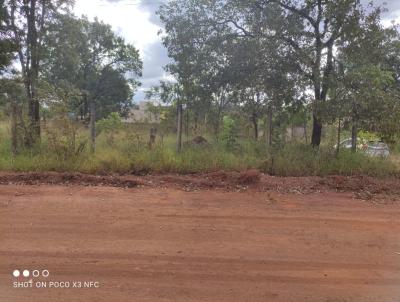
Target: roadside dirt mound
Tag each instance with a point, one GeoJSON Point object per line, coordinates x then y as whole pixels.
{"type": "Point", "coordinates": [37, 178]}
{"type": "Point", "coordinates": [363, 187]}
{"type": "Point", "coordinates": [214, 180]}
{"type": "Point", "coordinates": [228, 181]}
{"type": "Point", "coordinates": [362, 183]}
{"type": "Point", "coordinates": [249, 177]}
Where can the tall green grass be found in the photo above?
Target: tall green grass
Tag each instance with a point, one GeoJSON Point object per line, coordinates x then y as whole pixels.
{"type": "Point", "coordinates": [303, 160]}
{"type": "Point", "coordinates": [129, 153]}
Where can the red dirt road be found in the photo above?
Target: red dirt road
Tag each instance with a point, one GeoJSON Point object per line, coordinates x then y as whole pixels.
{"type": "Point", "coordinates": [148, 244]}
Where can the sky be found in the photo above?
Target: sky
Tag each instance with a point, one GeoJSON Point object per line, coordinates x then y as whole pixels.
{"type": "Point", "coordinates": [137, 22]}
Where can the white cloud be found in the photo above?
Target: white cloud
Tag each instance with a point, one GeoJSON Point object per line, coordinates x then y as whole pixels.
{"type": "Point", "coordinates": [129, 21]}
{"type": "Point", "coordinates": [394, 18]}
{"type": "Point", "coordinates": [136, 21]}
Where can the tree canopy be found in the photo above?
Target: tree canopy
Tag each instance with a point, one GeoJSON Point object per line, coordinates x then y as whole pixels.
{"type": "Point", "coordinates": [283, 51]}
{"type": "Point", "coordinates": [81, 65]}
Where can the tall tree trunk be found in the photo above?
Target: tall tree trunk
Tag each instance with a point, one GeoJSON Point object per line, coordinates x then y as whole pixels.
{"type": "Point", "coordinates": [339, 131]}
{"type": "Point", "coordinates": [292, 131]}
{"type": "Point", "coordinates": [256, 130]}
{"type": "Point", "coordinates": [179, 127]}
{"type": "Point", "coordinates": [205, 128]}
{"type": "Point", "coordinates": [14, 128]}
{"type": "Point", "coordinates": [33, 73]}
{"type": "Point", "coordinates": [217, 123]}
{"type": "Point", "coordinates": [36, 119]}
{"type": "Point", "coordinates": [29, 63]}
{"type": "Point", "coordinates": [305, 128]}
{"type": "Point", "coordinates": [187, 124]}
{"type": "Point", "coordinates": [196, 121]}
{"type": "Point", "coordinates": [354, 129]}
{"type": "Point", "coordinates": [216, 129]}
{"type": "Point", "coordinates": [152, 139]}
{"type": "Point", "coordinates": [255, 125]}
{"type": "Point", "coordinates": [320, 88]}
{"type": "Point", "coordinates": [354, 134]}
{"type": "Point", "coordinates": [270, 127]}
{"type": "Point", "coordinates": [316, 131]}
{"type": "Point", "coordinates": [354, 137]}
{"type": "Point", "coordinates": [92, 126]}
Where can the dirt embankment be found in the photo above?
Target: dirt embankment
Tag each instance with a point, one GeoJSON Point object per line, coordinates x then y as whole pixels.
{"type": "Point", "coordinates": [363, 186]}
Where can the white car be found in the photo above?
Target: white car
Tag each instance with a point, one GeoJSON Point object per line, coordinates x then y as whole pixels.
{"type": "Point", "coordinates": [377, 149]}
{"type": "Point", "coordinates": [346, 144]}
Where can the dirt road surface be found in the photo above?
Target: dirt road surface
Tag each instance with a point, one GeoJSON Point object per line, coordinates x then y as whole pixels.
{"type": "Point", "coordinates": [149, 244]}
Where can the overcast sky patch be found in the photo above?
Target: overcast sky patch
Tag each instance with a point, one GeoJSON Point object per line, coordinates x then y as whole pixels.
{"type": "Point", "coordinates": [138, 23]}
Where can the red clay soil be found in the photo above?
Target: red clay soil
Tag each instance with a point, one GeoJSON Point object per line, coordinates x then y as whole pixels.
{"type": "Point", "coordinates": [165, 244]}
{"type": "Point", "coordinates": [363, 186]}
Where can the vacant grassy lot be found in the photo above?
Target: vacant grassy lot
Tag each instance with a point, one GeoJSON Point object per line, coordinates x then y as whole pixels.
{"type": "Point", "coordinates": [127, 151]}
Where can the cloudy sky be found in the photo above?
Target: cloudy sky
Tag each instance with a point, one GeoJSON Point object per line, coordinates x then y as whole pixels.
{"type": "Point", "coordinates": [137, 22]}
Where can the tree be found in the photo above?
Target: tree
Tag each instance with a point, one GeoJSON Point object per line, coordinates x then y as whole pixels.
{"type": "Point", "coordinates": [7, 47]}
{"type": "Point", "coordinates": [367, 76]}
{"type": "Point", "coordinates": [304, 33]}
{"type": "Point", "coordinates": [173, 93]}
{"type": "Point", "coordinates": [110, 126]}
{"type": "Point", "coordinates": [114, 95]}
{"type": "Point", "coordinates": [11, 98]}
{"type": "Point", "coordinates": [198, 68]}
{"type": "Point", "coordinates": [28, 25]}
{"type": "Point", "coordinates": [93, 59]}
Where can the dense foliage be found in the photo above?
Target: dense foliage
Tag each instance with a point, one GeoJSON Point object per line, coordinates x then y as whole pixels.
{"type": "Point", "coordinates": [333, 58]}
{"type": "Point", "coordinates": [256, 83]}
{"type": "Point", "coordinates": [67, 65]}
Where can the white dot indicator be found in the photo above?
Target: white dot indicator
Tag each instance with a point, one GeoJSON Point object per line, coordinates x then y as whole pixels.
{"type": "Point", "coordinates": [16, 273]}
{"type": "Point", "coordinates": [25, 273]}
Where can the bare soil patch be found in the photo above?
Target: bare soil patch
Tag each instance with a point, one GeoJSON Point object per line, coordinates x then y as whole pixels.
{"type": "Point", "coordinates": [165, 244]}
{"type": "Point", "coordinates": [252, 180]}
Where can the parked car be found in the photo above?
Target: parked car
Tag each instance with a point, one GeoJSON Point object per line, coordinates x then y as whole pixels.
{"type": "Point", "coordinates": [377, 149]}
{"type": "Point", "coordinates": [346, 144]}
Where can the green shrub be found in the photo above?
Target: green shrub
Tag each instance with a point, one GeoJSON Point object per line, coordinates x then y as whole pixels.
{"type": "Point", "coordinates": [110, 126]}
{"type": "Point", "coordinates": [229, 133]}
